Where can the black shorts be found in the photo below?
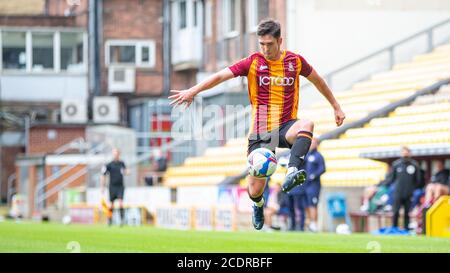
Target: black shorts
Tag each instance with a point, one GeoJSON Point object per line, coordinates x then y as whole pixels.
{"type": "Point", "coordinates": [272, 139]}
{"type": "Point", "coordinates": [116, 192]}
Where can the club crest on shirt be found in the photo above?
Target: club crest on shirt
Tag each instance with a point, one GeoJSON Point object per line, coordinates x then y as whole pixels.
{"type": "Point", "coordinates": [410, 169]}
{"type": "Point", "coordinates": [291, 67]}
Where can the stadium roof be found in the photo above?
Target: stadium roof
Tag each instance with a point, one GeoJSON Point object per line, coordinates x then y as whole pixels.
{"type": "Point", "coordinates": [419, 151]}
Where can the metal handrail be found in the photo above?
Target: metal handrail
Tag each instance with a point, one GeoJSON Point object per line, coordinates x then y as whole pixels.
{"type": "Point", "coordinates": [64, 170]}
{"type": "Point", "coordinates": [50, 179]}
{"type": "Point", "coordinates": [68, 146]}
{"type": "Point", "coordinates": [60, 186]}
{"type": "Point", "coordinates": [209, 126]}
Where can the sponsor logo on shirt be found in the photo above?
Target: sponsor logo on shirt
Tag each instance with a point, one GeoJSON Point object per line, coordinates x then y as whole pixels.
{"type": "Point", "coordinates": [278, 81]}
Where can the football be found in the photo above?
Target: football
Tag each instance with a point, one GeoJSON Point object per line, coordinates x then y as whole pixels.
{"type": "Point", "coordinates": [261, 163]}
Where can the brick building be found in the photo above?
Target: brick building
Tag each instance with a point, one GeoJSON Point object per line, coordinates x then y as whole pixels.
{"type": "Point", "coordinates": [60, 59]}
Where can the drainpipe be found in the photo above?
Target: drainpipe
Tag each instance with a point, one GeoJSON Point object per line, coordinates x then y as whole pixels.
{"type": "Point", "coordinates": [166, 48]}
{"type": "Point", "coordinates": [94, 30]}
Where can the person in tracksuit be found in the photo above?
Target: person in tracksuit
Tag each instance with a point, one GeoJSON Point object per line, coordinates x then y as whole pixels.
{"type": "Point", "coordinates": [297, 206]}
{"type": "Point", "coordinates": [315, 167]}
{"type": "Point", "coordinates": [406, 176]}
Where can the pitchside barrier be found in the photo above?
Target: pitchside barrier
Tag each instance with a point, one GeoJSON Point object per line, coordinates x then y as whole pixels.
{"type": "Point", "coordinates": [94, 214]}
{"type": "Point", "coordinates": [223, 218]}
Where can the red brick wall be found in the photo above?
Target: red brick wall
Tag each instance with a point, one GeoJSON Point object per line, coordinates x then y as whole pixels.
{"type": "Point", "coordinates": [8, 166]}
{"type": "Point", "coordinates": [36, 21]}
{"type": "Point", "coordinates": [136, 19]}
{"type": "Point", "coordinates": [234, 47]}
{"type": "Point", "coordinates": [183, 80]}
{"type": "Point", "coordinates": [210, 42]}
{"type": "Point", "coordinates": [81, 12]}
{"type": "Point", "coordinates": [277, 11]}
{"type": "Point", "coordinates": [40, 143]}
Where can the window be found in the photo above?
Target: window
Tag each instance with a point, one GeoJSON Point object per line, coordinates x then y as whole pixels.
{"type": "Point", "coordinates": [42, 44]}
{"type": "Point", "coordinates": [122, 54]}
{"type": "Point", "coordinates": [145, 54]}
{"type": "Point", "coordinates": [136, 53]}
{"type": "Point", "coordinates": [230, 17]}
{"type": "Point", "coordinates": [232, 21]}
{"type": "Point", "coordinates": [195, 3]}
{"type": "Point", "coordinates": [14, 50]}
{"type": "Point", "coordinates": [183, 15]}
{"type": "Point", "coordinates": [46, 50]}
{"type": "Point", "coordinates": [72, 51]}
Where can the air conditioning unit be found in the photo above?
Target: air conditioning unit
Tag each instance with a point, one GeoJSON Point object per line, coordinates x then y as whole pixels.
{"type": "Point", "coordinates": [121, 79]}
{"type": "Point", "coordinates": [106, 110]}
{"type": "Point", "coordinates": [73, 111]}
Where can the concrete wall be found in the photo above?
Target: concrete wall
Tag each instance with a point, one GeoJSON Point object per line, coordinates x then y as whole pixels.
{"type": "Point", "coordinates": [330, 34]}
{"type": "Point", "coordinates": [27, 87]}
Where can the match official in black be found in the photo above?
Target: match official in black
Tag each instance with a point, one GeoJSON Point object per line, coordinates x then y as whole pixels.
{"type": "Point", "coordinates": [116, 169]}
{"type": "Point", "coordinates": [406, 176]}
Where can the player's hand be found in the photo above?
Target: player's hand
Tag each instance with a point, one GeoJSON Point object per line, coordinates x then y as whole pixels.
{"type": "Point", "coordinates": [339, 116]}
{"type": "Point", "coordinates": [182, 97]}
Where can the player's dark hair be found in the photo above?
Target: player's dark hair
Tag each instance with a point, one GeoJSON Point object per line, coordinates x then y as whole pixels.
{"type": "Point", "coordinates": [269, 27]}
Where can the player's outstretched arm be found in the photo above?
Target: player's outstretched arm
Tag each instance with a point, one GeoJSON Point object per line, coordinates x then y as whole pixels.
{"type": "Point", "coordinates": [323, 88]}
{"type": "Point", "coordinates": [186, 96]}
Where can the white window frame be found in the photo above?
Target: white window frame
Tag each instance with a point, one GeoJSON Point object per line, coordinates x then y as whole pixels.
{"type": "Point", "coordinates": [138, 45]}
{"type": "Point", "coordinates": [252, 15]}
{"type": "Point", "coordinates": [226, 15]}
{"type": "Point", "coordinates": [56, 50]}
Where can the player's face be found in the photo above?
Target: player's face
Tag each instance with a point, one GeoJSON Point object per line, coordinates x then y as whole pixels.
{"type": "Point", "coordinates": [405, 152]}
{"type": "Point", "coordinates": [270, 46]}
{"type": "Point", "coordinates": [116, 154]}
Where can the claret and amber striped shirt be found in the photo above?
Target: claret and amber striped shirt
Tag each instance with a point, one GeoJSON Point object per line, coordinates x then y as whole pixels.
{"type": "Point", "coordinates": [273, 88]}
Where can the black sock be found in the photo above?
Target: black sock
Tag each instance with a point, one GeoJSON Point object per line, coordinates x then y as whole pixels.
{"type": "Point", "coordinates": [255, 199]}
{"type": "Point", "coordinates": [300, 149]}
{"type": "Point", "coordinates": [122, 214]}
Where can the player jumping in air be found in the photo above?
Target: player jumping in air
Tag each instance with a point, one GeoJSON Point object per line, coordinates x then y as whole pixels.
{"type": "Point", "coordinates": [273, 88]}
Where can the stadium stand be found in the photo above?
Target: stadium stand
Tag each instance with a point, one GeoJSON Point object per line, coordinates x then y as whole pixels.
{"type": "Point", "coordinates": [405, 125]}
{"type": "Point", "coordinates": [426, 121]}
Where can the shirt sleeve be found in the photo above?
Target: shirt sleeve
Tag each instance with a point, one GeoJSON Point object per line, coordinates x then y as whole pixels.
{"type": "Point", "coordinates": [242, 67]}
{"type": "Point", "coordinates": [306, 67]}
{"type": "Point", "coordinates": [105, 169]}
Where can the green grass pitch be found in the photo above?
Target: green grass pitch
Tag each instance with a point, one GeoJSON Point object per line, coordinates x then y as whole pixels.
{"type": "Point", "coordinates": [52, 237]}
